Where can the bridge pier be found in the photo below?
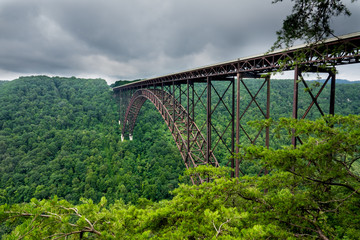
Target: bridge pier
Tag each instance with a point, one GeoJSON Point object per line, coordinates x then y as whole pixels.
{"type": "Point", "coordinates": [208, 120]}
{"type": "Point", "coordinates": [237, 160]}
{"type": "Point", "coordinates": [297, 72]}
{"type": "Point", "coordinates": [240, 122]}
{"type": "Point", "coordinates": [298, 78]}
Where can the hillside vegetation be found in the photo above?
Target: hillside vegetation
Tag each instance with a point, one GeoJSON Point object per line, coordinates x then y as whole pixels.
{"type": "Point", "coordinates": [60, 142]}
{"type": "Point", "coordinates": [60, 136]}
{"type": "Point", "coordinates": [311, 192]}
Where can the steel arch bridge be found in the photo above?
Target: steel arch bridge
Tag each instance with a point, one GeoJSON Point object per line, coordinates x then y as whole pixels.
{"type": "Point", "coordinates": [179, 96]}
{"type": "Point", "coordinates": [188, 137]}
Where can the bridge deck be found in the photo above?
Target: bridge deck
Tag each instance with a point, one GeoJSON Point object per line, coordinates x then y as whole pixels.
{"type": "Point", "coordinates": [335, 51]}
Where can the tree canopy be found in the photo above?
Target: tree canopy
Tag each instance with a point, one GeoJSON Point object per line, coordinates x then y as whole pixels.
{"type": "Point", "coordinates": [60, 136]}
{"type": "Point", "coordinates": [311, 192]}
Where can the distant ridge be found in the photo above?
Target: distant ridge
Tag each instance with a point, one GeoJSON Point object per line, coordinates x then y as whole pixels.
{"type": "Point", "coordinates": [338, 81]}
{"type": "Point", "coordinates": [343, 81]}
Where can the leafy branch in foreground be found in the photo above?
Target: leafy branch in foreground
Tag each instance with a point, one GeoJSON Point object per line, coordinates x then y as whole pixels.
{"type": "Point", "coordinates": [325, 169]}
{"type": "Point", "coordinates": [310, 21]}
{"type": "Point", "coordinates": [54, 219]}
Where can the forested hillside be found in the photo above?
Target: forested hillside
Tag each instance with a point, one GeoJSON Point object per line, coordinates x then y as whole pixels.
{"type": "Point", "coordinates": [311, 192]}
{"type": "Point", "coordinates": [60, 136]}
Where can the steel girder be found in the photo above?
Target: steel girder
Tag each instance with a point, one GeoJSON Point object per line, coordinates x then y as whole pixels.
{"type": "Point", "coordinates": [188, 138]}
{"type": "Point", "coordinates": [332, 52]}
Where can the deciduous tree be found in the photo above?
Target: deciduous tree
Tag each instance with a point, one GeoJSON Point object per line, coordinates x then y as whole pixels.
{"type": "Point", "coordinates": [309, 21]}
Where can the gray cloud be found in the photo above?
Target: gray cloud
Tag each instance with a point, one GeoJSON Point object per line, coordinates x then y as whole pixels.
{"type": "Point", "coordinates": [136, 38]}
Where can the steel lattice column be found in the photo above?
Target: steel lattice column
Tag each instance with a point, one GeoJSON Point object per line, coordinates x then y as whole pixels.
{"type": "Point", "coordinates": [240, 124]}
{"type": "Point", "coordinates": [297, 72]}
{"type": "Point", "coordinates": [208, 120]}
{"type": "Point", "coordinates": [237, 161]}
{"type": "Point", "coordinates": [332, 93]}
{"type": "Point", "coordinates": [299, 78]}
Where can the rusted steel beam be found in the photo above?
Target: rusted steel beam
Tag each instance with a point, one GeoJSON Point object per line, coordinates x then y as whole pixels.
{"type": "Point", "coordinates": [267, 136]}
{"type": "Point", "coordinates": [188, 120]}
{"type": "Point", "coordinates": [295, 101]}
{"type": "Point", "coordinates": [237, 161]}
{"type": "Point", "coordinates": [233, 127]}
{"type": "Point", "coordinates": [208, 120]}
{"type": "Point", "coordinates": [332, 94]}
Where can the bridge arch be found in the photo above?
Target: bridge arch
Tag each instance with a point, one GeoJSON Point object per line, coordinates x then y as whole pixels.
{"type": "Point", "coordinates": [188, 138]}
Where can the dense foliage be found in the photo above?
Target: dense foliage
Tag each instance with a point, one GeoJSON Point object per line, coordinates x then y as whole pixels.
{"type": "Point", "coordinates": [60, 136]}
{"type": "Point", "coordinates": [312, 192]}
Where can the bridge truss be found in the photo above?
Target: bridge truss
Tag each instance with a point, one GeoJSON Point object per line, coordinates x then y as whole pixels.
{"type": "Point", "coordinates": [183, 98]}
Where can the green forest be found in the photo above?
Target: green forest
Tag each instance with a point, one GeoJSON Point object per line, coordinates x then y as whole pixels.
{"type": "Point", "coordinates": [60, 136]}
{"type": "Point", "coordinates": [65, 173]}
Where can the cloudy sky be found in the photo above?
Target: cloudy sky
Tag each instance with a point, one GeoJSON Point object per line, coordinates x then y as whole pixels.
{"type": "Point", "coordinates": [129, 39]}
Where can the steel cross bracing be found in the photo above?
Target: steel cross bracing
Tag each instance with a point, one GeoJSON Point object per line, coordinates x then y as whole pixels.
{"type": "Point", "coordinates": [183, 98]}
{"type": "Point", "coordinates": [314, 98]}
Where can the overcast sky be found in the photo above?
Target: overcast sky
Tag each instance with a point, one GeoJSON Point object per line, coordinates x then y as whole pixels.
{"type": "Point", "coordinates": [130, 39]}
